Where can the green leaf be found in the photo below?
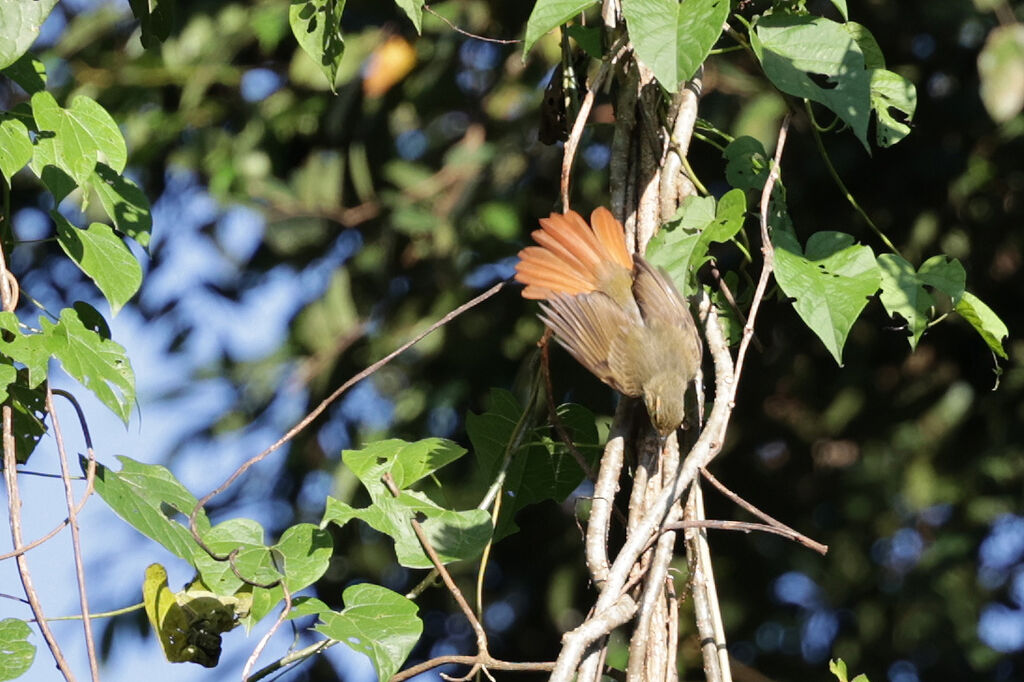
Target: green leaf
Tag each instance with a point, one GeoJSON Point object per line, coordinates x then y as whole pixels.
{"type": "Point", "coordinates": [376, 622]}
{"type": "Point", "coordinates": [303, 554]}
{"type": "Point", "coordinates": [27, 72]}
{"type": "Point", "coordinates": [542, 468]}
{"type": "Point", "coordinates": [414, 10]}
{"type": "Point", "coordinates": [408, 462]}
{"type": "Point", "coordinates": [985, 322]}
{"type": "Point", "coordinates": [454, 535]}
{"type": "Point", "coordinates": [673, 39]}
{"type": "Point", "coordinates": [79, 136]}
{"type": "Point", "coordinates": [21, 20]}
{"type": "Point", "coordinates": [747, 163]}
{"type": "Point", "coordinates": [244, 538]}
{"type": "Point", "coordinates": [792, 48]}
{"type": "Point", "coordinates": [590, 39]}
{"type": "Point", "coordinates": [1001, 68]}
{"type": "Point", "coordinates": [28, 413]}
{"type": "Point", "coordinates": [124, 202]}
{"type": "Point", "coordinates": [892, 92]}
{"type": "Point", "coordinates": [150, 499]}
{"type": "Point", "coordinates": [830, 281]}
{"type": "Point", "coordinates": [103, 256]}
{"type": "Point", "coordinates": [307, 606]}
{"type": "Point", "coordinates": [316, 25]}
{"type": "Point", "coordinates": [16, 652]}
{"type": "Point", "coordinates": [841, 6]}
{"type": "Point", "coordinates": [155, 20]}
{"type": "Point", "coordinates": [15, 146]}
{"type": "Point", "coordinates": [682, 246]}
{"type": "Point", "coordinates": [903, 291]}
{"type": "Point", "coordinates": [31, 350]}
{"type": "Point", "coordinates": [550, 14]}
{"type": "Point", "coordinates": [98, 364]}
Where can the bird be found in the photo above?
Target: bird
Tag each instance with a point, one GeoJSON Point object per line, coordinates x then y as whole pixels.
{"type": "Point", "coordinates": [618, 315]}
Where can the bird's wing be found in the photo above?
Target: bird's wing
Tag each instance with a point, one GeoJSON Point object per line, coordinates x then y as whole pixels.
{"type": "Point", "coordinates": [596, 332]}
{"type": "Point", "coordinates": [658, 298]}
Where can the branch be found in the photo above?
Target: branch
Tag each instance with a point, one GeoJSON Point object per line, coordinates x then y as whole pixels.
{"type": "Point", "coordinates": [571, 144]}
{"type": "Point", "coordinates": [76, 546]}
{"type": "Point", "coordinates": [319, 409]}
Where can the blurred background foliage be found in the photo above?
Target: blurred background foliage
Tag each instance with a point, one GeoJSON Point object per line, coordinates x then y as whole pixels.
{"type": "Point", "coordinates": [344, 223]}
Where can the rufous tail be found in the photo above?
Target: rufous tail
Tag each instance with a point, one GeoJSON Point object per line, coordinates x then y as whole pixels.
{"type": "Point", "coordinates": [573, 257]}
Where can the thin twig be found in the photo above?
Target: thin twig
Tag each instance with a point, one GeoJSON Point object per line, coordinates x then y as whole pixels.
{"type": "Point", "coordinates": [571, 144]}
{"type": "Point", "coordinates": [847, 194]}
{"type": "Point", "coordinates": [705, 594]}
{"type": "Point", "coordinates": [466, 33]}
{"type": "Point", "coordinates": [467, 610]}
{"type": "Point", "coordinates": [262, 644]}
{"type": "Point", "coordinates": [318, 410]}
{"type": "Point", "coordinates": [769, 260]}
{"type": "Point", "coordinates": [775, 526]}
{"type": "Point", "coordinates": [492, 663]}
{"type": "Point", "coordinates": [76, 544]}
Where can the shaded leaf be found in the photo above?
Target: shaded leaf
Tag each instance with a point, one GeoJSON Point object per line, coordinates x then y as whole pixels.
{"type": "Point", "coordinates": [15, 146]}
{"type": "Point", "coordinates": [376, 622]}
{"type": "Point", "coordinates": [414, 10]}
{"type": "Point", "coordinates": [27, 72]}
{"type": "Point", "coordinates": [1001, 68]}
{"type": "Point", "coordinates": [541, 469]}
{"type": "Point", "coordinates": [747, 163]}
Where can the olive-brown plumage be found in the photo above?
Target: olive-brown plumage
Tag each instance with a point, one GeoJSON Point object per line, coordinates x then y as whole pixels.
{"type": "Point", "coordinates": [620, 317]}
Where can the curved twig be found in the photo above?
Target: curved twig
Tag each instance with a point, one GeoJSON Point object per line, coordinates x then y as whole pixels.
{"type": "Point", "coordinates": [319, 409]}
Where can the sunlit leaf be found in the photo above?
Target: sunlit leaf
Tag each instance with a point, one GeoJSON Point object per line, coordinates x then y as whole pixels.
{"type": "Point", "coordinates": [150, 499]}
{"type": "Point", "coordinates": [79, 136]}
{"type": "Point", "coordinates": [124, 202]}
{"type": "Point", "coordinates": [104, 257]}
{"type": "Point", "coordinates": [1001, 68]}
{"type": "Point", "coordinates": [376, 622]}
{"type": "Point", "coordinates": [985, 322]}
{"type": "Point", "coordinates": [98, 364]}
{"type": "Point", "coordinates": [830, 281]}
{"type": "Point", "coordinates": [16, 652]}
{"type": "Point", "coordinates": [674, 38]}
{"type": "Point", "coordinates": [21, 20]}
{"type": "Point", "coordinates": [15, 146]}
{"type": "Point", "coordinates": [550, 14]}
{"type": "Point", "coordinates": [316, 25]}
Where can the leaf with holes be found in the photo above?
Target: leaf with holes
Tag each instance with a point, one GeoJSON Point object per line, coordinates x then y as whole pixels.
{"type": "Point", "coordinates": [376, 622]}
{"type": "Point", "coordinates": [316, 25]}
{"type": "Point", "coordinates": [830, 281]}
{"type": "Point", "coordinates": [904, 293]}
